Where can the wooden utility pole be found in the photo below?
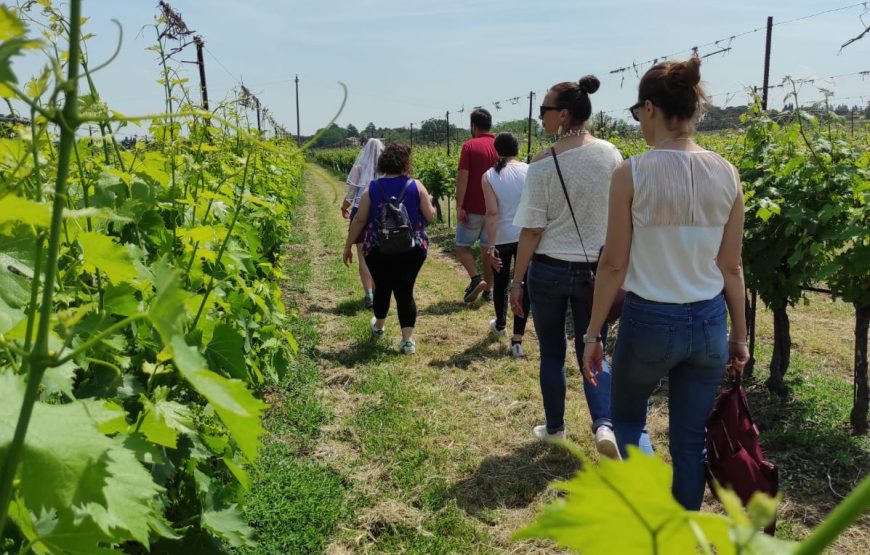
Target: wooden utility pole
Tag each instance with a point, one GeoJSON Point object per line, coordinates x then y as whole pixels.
{"type": "Point", "coordinates": [529, 140]}
{"type": "Point", "coordinates": [766, 63]}
{"type": "Point", "coordinates": [448, 132]}
{"type": "Point", "coordinates": [259, 124]}
{"type": "Point", "coordinates": [203, 89]}
{"type": "Point", "coordinates": [298, 134]}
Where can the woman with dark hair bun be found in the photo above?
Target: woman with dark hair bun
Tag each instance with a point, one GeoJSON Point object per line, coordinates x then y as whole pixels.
{"type": "Point", "coordinates": [563, 216]}
{"type": "Point", "coordinates": [502, 187]}
{"type": "Point", "coordinates": [674, 238]}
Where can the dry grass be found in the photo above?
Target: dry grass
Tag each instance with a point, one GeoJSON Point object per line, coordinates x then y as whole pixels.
{"type": "Point", "coordinates": [439, 444]}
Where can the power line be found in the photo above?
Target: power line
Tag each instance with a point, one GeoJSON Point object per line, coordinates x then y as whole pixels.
{"type": "Point", "coordinates": [230, 73]}
{"type": "Point", "coordinates": [724, 45]}
{"type": "Point", "coordinates": [832, 10]}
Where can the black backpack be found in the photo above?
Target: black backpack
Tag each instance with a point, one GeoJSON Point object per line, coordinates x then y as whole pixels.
{"type": "Point", "coordinates": [393, 226]}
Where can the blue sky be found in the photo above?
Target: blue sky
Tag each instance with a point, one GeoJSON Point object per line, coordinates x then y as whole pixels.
{"type": "Point", "coordinates": [406, 61]}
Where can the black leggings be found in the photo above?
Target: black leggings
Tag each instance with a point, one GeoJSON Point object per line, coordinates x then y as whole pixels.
{"type": "Point", "coordinates": [395, 275]}
{"type": "Point", "coordinates": [507, 252]}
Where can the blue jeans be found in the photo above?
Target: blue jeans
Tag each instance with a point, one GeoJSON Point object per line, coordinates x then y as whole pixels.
{"type": "Point", "coordinates": [551, 288]}
{"type": "Point", "coordinates": [688, 344]}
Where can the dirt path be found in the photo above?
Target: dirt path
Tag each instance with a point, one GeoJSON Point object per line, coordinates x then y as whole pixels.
{"type": "Point", "coordinates": [437, 446]}
{"type": "Point", "coordinates": [435, 449]}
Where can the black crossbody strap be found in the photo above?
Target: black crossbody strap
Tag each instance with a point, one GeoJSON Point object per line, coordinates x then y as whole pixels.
{"type": "Point", "coordinates": [568, 200]}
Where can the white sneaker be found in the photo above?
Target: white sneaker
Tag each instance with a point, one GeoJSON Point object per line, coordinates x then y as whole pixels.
{"type": "Point", "coordinates": [376, 331]}
{"type": "Point", "coordinates": [493, 329]}
{"type": "Point", "coordinates": [517, 350]}
{"type": "Point", "coordinates": [409, 347]}
{"type": "Point", "coordinates": [541, 433]}
{"type": "Point", "coordinates": [605, 442]}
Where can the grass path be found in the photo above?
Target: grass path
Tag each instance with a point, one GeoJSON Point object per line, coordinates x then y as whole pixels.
{"type": "Point", "coordinates": [370, 451]}
{"type": "Point", "coordinates": [436, 447]}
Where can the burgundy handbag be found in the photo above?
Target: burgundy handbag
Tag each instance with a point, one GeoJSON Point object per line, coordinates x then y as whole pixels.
{"type": "Point", "coordinates": [734, 456]}
{"type": "Point", "coordinates": [616, 308]}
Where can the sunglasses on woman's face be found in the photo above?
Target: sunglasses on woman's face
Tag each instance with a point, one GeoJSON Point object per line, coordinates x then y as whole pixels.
{"type": "Point", "coordinates": [544, 109]}
{"type": "Point", "coordinates": [635, 109]}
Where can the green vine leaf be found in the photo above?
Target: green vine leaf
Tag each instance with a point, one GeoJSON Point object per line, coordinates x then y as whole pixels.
{"type": "Point", "coordinates": [68, 463]}
{"type": "Point", "coordinates": [226, 351]}
{"type": "Point", "coordinates": [26, 211]}
{"type": "Point", "coordinates": [167, 307]}
{"type": "Point", "coordinates": [229, 525]}
{"type": "Point", "coordinates": [101, 252]}
{"type": "Point", "coordinates": [237, 408]}
{"type": "Point", "coordinates": [626, 507]}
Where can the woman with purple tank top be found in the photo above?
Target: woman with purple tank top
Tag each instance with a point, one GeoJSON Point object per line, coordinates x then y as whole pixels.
{"type": "Point", "coordinates": [393, 274]}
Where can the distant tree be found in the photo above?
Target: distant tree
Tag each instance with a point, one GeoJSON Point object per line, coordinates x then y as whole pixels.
{"type": "Point", "coordinates": [370, 130]}
{"type": "Point", "coordinates": [867, 111]}
{"type": "Point", "coordinates": [519, 127]}
{"type": "Point", "coordinates": [841, 110]}
{"type": "Point", "coordinates": [351, 131]}
{"type": "Point", "coordinates": [721, 118]}
{"type": "Point", "coordinates": [433, 131]}
{"type": "Point", "coordinates": [331, 137]}
{"type": "Point", "coordinates": [605, 126]}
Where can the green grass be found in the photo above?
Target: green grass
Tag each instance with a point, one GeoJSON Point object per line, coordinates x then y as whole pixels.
{"type": "Point", "coordinates": [429, 456]}
{"type": "Point", "coordinates": [807, 433]}
{"type": "Point", "coordinates": [294, 504]}
{"type": "Point", "coordinates": [447, 532]}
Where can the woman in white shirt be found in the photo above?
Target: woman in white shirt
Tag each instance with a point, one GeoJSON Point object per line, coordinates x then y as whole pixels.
{"type": "Point", "coordinates": [674, 237]}
{"type": "Point", "coordinates": [502, 189]}
{"type": "Point", "coordinates": [363, 172]}
{"type": "Point", "coordinates": [563, 248]}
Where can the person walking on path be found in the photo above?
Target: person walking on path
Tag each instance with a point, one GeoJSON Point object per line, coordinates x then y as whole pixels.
{"type": "Point", "coordinates": [362, 173]}
{"type": "Point", "coordinates": [502, 189]}
{"type": "Point", "coordinates": [565, 195]}
{"type": "Point", "coordinates": [674, 240]}
{"type": "Point", "coordinates": [393, 274]}
{"type": "Point", "coordinates": [476, 157]}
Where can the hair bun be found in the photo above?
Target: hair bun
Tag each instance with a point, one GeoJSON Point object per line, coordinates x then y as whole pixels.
{"type": "Point", "coordinates": [589, 84]}
{"type": "Point", "coordinates": [685, 74]}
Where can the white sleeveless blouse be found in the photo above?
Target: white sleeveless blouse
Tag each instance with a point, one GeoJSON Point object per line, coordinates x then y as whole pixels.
{"type": "Point", "coordinates": [508, 188]}
{"type": "Point", "coordinates": [682, 200]}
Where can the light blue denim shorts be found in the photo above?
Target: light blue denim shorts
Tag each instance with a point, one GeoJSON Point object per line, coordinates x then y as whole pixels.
{"type": "Point", "coordinates": [472, 231]}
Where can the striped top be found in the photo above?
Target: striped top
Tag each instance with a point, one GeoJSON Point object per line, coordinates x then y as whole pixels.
{"type": "Point", "coordinates": [682, 200]}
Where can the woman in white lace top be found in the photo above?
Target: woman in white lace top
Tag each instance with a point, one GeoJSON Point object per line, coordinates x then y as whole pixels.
{"type": "Point", "coordinates": [560, 263]}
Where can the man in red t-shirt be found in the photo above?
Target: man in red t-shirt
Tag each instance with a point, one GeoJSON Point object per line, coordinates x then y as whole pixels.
{"type": "Point", "coordinates": [477, 156]}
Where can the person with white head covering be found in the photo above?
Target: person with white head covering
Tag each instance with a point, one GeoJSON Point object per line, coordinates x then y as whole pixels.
{"type": "Point", "coordinates": [363, 172]}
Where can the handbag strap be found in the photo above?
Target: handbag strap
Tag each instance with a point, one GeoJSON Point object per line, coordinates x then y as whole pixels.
{"type": "Point", "coordinates": [568, 200]}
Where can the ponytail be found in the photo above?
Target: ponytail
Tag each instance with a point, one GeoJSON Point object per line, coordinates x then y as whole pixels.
{"type": "Point", "coordinates": [506, 146]}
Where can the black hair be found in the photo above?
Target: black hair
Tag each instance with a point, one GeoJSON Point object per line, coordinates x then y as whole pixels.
{"type": "Point", "coordinates": [506, 145]}
{"type": "Point", "coordinates": [574, 97]}
{"type": "Point", "coordinates": [482, 119]}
